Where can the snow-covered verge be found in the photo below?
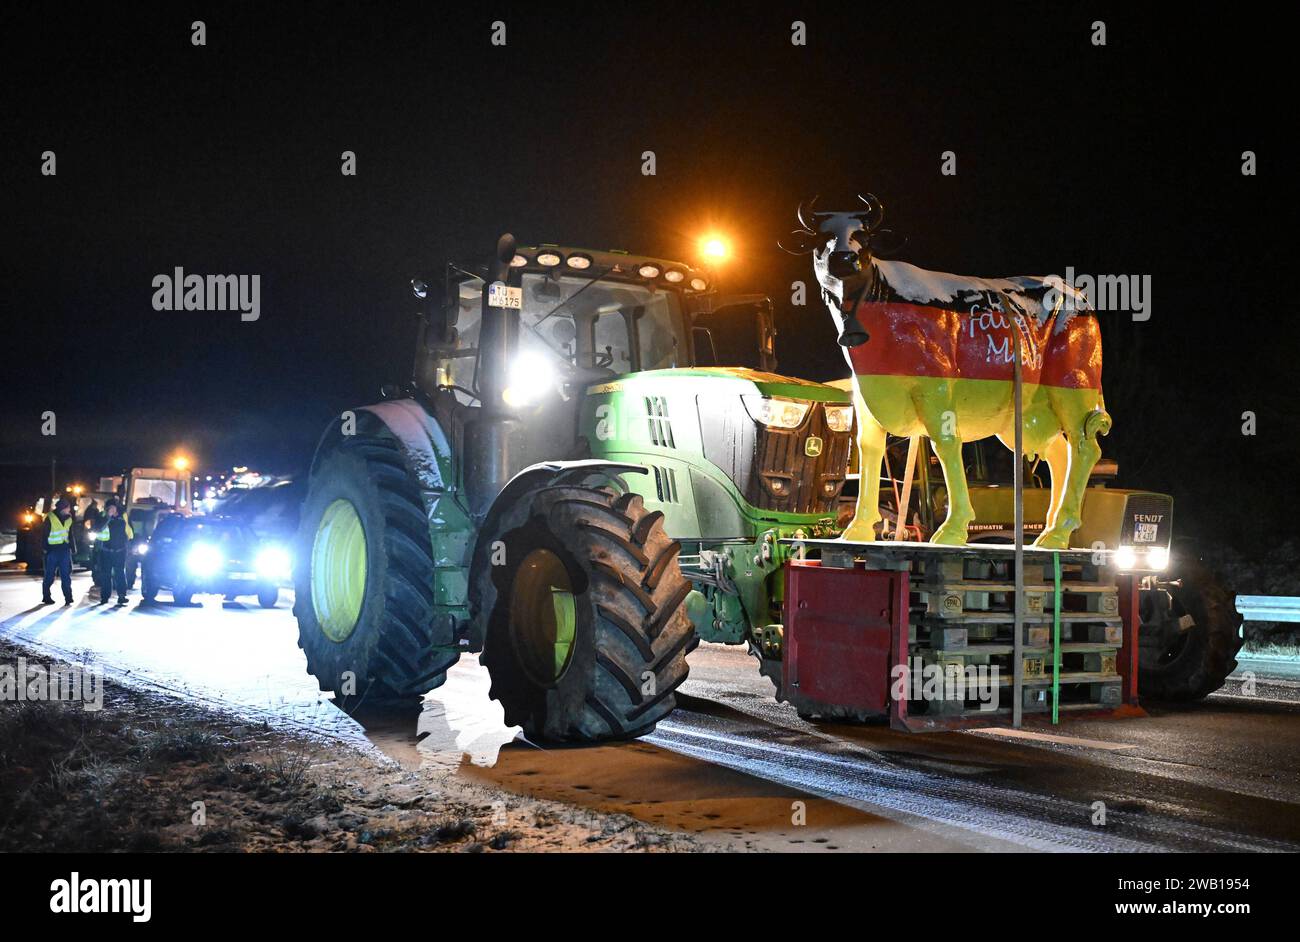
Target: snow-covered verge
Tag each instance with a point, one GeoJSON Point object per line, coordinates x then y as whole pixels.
{"type": "Point", "coordinates": [149, 772]}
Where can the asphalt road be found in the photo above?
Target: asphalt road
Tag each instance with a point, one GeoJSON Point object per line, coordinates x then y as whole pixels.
{"type": "Point", "coordinates": [733, 764]}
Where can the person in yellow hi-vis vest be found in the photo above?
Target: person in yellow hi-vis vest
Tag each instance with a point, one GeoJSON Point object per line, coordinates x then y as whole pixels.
{"type": "Point", "coordinates": [115, 538]}
{"type": "Point", "coordinates": [58, 551]}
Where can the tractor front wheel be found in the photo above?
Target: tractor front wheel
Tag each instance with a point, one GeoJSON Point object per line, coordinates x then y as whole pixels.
{"type": "Point", "coordinates": [587, 632]}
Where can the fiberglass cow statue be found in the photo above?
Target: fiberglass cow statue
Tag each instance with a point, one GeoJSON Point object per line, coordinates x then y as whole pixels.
{"type": "Point", "coordinates": [932, 355]}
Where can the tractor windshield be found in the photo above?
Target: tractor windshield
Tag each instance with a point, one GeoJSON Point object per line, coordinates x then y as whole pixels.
{"type": "Point", "coordinates": [618, 326]}
{"type": "Point", "coordinates": [153, 491]}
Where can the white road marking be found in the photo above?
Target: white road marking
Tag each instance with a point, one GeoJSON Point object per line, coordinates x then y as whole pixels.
{"type": "Point", "coordinates": [1053, 738]}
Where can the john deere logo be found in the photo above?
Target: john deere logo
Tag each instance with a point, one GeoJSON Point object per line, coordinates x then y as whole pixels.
{"type": "Point", "coordinates": [812, 446]}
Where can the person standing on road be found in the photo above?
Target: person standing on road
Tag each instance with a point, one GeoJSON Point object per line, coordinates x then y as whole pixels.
{"type": "Point", "coordinates": [114, 541]}
{"type": "Point", "coordinates": [58, 551]}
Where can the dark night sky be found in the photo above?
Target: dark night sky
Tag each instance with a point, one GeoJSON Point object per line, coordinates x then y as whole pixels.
{"type": "Point", "coordinates": [1123, 159]}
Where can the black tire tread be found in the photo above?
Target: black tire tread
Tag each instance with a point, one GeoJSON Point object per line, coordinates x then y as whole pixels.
{"type": "Point", "coordinates": [405, 661]}
{"type": "Point", "coordinates": [636, 590]}
{"type": "Point", "coordinates": [1203, 669]}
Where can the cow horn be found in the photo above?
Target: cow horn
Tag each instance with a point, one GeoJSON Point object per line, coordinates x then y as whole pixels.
{"type": "Point", "coordinates": [799, 242]}
{"type": "Point", "coordinates": [875, 213]}
{"type": "Point", "coordinates": [807, 218]}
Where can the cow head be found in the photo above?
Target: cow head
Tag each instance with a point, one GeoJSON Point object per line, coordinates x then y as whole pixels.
{"type": "Point", "coordinates": [842, 245]}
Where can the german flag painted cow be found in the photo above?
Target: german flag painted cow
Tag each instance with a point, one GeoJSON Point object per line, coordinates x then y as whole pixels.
{"type": "Point", "coordinates": [933, 355]}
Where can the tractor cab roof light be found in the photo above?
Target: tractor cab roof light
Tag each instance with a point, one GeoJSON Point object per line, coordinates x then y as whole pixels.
{"type": "Point", "coordinates": [674, 275]}
{"type": "Point", "coordinates": [649, 271]}
{"type": "Point", "coordinates": [699, 284]}
{"type": "Point", "coordinates": [578, 261]}
{"type": "Point", "coordinates": [549, 259]}
{"type": "Point", "coordinates": [518, 261]}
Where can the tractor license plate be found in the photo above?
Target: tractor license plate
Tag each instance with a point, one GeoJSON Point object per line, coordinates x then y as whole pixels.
{"type": "Point", "coordinates": [1145, 532]}
{"type": "Point", "coordinates": [500, 295]}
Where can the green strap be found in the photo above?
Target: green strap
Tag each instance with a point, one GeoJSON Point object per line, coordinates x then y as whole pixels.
{"type": "Point", "coordinates": [1056, 639]}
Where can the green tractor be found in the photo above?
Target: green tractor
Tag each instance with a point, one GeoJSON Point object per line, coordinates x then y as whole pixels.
{"type": "Point", "coordinates": [568, 485]}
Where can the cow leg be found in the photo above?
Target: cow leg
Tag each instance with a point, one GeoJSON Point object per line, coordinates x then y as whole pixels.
{"type": "Point", "coordinates": [871, 452]}
{"type": "Point", "coordinates": [1057, 456]}
{"type": "Point", "coordinates": [960, 512]}
{"type": "Point", "coordinates": [1081, 431]}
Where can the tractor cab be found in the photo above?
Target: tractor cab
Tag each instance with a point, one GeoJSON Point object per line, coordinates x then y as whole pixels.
{"type": "Point", "coordinates": [635, 360]}
{"type": "Point", "coordinates": [630, 358]}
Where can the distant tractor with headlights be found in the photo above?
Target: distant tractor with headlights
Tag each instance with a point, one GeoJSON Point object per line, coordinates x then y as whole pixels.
{"type": "Point", "coordinates": [146, 496]}
{"type": "Point", "coordinates": [571, 485]}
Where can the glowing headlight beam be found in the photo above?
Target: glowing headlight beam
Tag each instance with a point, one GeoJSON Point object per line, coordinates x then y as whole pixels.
{"type": "Point", "coordinates": [204, 560]}
{"type": "Point", "coordinates": [530, 376]}
{"type": "Point", "coordinates": [272, 562]}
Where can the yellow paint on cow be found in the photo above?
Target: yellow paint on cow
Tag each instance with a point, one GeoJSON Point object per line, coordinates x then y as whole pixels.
{"type": "Point", "coordinates": [1060, 424]}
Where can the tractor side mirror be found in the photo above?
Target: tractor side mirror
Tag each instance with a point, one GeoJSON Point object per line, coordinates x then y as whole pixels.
{"type": "Point", "coordinates": [437, 317]}
{"type": "Point", "coordinates": [706, 354]}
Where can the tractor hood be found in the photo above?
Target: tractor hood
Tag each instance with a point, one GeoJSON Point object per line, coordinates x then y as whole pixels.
{"type": "Point", "coordinates": [767, 384]}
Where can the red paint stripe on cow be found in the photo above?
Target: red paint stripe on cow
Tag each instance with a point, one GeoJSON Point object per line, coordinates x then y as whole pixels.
{"type": "Point", "coordinates": [920, 340]}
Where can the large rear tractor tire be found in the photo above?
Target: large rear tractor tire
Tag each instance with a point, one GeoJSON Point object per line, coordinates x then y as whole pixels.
{"type": "Point", "coordinates": [364, 580]}
{"type": "Point", "coordinates": [587, 631]}
{"type": "Point", "coordinates": [1189, 645]}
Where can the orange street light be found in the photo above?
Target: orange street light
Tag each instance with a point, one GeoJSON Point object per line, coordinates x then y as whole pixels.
{"type": "Point", "coordinates": [715, 248]}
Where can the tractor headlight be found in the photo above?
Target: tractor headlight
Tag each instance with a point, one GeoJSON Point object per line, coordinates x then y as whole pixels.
{"type": "Point", "coordinates": [204, 560]}
{"type": "Point", "coordinates": [775, 412]}
{"type": "Point", "coordinates": [141, 548]}
{"type": "Point", "coordinates": [272, 563]}
{"type": "Point", "coordinates": [531, 375]}
{"type": "Point", "coordinates": [1125, 557]}
{"type": "Point", "coordinates": [1158, 557]}
{"type": "Point", "coordinates": [839, 418]}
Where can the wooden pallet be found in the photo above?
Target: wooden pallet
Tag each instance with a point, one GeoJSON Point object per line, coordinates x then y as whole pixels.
{"type": "Point", "coordinates": [958, 614]}
{"type": "Point", "coordinates": [963, 616]}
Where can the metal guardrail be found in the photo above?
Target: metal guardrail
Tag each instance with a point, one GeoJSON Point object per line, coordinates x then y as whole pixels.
{"type": "Point", "coordinates": [1269, 607]}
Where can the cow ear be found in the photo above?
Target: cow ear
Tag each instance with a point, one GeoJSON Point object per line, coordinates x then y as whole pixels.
{"type": "Point", "coordinates": [886, 242]}
{"type": "Point", "coordinates": [798, 242]}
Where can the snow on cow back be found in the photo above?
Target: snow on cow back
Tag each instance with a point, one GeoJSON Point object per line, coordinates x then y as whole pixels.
{"type": "Point", "coordinates": [1036, 296]}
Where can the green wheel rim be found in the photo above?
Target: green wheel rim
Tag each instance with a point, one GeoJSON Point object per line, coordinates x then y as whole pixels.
{"type": "Point", "coordinates": [338, 570]}
{"type": "Point", "coordinates": [543, 617]}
